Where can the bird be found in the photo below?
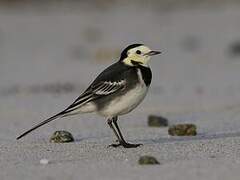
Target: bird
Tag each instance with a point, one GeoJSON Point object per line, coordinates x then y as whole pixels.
{"type": "Point", "coordinates": [116, 91]}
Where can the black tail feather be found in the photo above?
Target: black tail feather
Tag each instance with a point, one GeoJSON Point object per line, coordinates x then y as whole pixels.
{"type": "Point", "coordinates": [80, 101]}
{"type": "Point", "coordinates": [41, 124]}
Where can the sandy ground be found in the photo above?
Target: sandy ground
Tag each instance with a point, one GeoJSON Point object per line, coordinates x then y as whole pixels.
{"type": "Point", "coordinates": [47, 59]}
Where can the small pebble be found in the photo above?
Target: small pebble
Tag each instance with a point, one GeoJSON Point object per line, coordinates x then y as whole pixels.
{"type": "Point", "coordinates": [157, 121]}
{"type": "Point", "coordinates": [183, 130]}
{"type": "Point", "coordinates": [44, 161]}
{"type": "Point", "coordinates": [234, 49]}
{"type": "Point", "coordinates": [212, 156]}
{"type": "Point", "coordinates": [147, 160]}
{"type": "Point", "coordinates": [61, 137]}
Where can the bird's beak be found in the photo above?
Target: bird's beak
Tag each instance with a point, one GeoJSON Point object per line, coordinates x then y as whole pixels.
{"type": "Point", "coordinates": [152, 53]}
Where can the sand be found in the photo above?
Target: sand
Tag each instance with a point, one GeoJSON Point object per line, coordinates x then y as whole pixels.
{"type": "Point", "coordinates": [48, 59]}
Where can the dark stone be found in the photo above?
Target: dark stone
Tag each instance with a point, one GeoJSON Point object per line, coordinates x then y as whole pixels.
{"type": "Point", "coordinates": [147, 160]}
{"type": "Point", "coordinates": [61, 137]}
{"type": "Point", "coordinates": [157, 121]}
{"type": "Point", "coordinates": [234, 49]}
{"type": "Point", "coordinates": [183, 130]}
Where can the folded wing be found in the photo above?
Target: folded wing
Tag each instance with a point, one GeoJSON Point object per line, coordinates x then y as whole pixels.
{"type": "Point", "coordinates": [96, 91]}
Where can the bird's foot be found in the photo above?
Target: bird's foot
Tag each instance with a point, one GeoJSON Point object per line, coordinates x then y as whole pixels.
{"type": "Point", "coordinates": [125, 145]}
{"type": "Point", "coordinates": [114, 145]}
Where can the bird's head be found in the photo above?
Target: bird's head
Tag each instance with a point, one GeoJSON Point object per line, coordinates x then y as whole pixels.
{"type": "Point", "coordinates": [137, 54]}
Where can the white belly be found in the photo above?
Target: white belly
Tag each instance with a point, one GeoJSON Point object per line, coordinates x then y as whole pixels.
{"type": "Point", "coordinates": [125, 103]}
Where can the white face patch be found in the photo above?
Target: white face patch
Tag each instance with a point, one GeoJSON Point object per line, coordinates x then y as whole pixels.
{"type": "Point", "coordinates": [137, 55]}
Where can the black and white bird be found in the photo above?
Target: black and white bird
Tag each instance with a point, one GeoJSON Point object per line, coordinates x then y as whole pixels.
{"type": "Point", "coordinates": [116, 91]}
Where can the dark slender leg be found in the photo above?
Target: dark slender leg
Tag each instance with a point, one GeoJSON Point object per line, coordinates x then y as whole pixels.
{"type": "Point", "coordinates": [120, 136]}
{"type": "Point", "coordinates": [109, 121]}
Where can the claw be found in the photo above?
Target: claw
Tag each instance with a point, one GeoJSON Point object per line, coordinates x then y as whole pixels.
{"type": "Point", "coordinates": [125, 145]}
{"type": "Point", "coordinates": [114, 145]}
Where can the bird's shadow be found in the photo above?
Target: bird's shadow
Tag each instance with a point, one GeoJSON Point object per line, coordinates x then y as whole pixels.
{"type": "Point", "coordinates": [169, 139]}
{"type": "Point", "coordinates": [190, 138]}
{"type": "Point", "coordinates": [89, 138]}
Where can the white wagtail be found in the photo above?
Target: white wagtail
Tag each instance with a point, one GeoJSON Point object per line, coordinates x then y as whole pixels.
{"type": "Point", "coordinates": [116, 91]}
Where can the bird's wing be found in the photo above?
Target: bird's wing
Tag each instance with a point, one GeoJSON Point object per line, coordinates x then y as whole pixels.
{"type": "Point", "coordinates": [108, 87]}
{"type": "Point", "coordinates": [108, 82]}
{"type": "Point", "coordinates": [96, 91]}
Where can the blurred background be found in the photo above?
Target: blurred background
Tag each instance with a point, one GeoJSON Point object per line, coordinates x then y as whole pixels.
{"type": "Point", "coordinates": [50, 51]}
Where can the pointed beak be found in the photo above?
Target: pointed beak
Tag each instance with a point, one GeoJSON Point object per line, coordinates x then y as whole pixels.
{"type": "Point", "coordinates": [152, 53]}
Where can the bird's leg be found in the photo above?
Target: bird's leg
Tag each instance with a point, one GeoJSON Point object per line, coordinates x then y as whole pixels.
{"type": "Point", "coordinates": [120, 136]}
{"type": "Point", "coordinates": [109, 121]}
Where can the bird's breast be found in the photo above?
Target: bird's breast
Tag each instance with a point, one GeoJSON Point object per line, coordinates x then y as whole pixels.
{"type": "Point", "coordinates": [126, 102]}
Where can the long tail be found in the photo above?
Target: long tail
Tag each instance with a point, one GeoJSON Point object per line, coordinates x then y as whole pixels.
{"type": "Point", "coordinates": [83, 99]}
{"type": "Point", "coordinates": [42, 123]}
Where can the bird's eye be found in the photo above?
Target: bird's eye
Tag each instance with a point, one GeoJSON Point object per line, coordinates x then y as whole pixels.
{"type": "Point", "coordinates": [138, 52]}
